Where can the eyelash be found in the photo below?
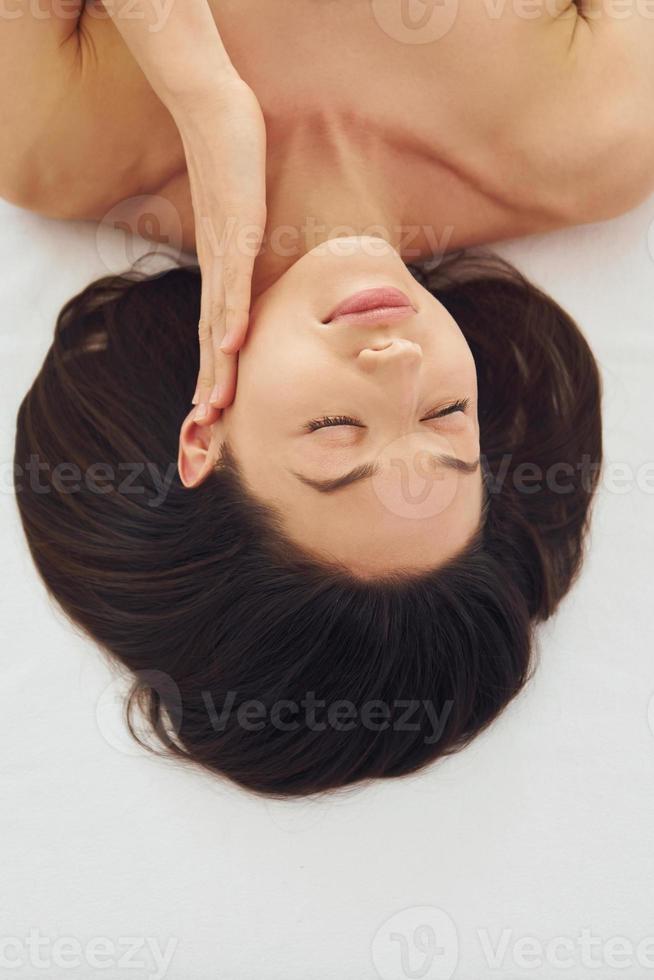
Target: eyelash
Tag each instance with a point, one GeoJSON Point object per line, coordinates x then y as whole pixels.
{"type": "Point", "coordinates": [323, 423]}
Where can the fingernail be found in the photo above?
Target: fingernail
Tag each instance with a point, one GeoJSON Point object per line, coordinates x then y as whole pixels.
{"type": "Point", "coordinates": [200, 412]}
{"type": "Point", "coordinates": [227, 342]}
{"type": "Point", "coordinates": [215, 394]}
{"type": "Point", "coordinates": [196, 397]}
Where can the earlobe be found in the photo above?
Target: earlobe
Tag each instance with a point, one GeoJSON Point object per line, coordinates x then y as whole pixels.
{"type": "Point", "coordinates": [197, 442]}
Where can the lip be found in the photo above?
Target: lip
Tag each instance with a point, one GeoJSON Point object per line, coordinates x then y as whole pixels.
{"type": "Point", "coordinates": [373, 306]}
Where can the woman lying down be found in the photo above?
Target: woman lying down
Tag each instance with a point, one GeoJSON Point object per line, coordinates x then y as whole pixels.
{"type": "Point", "coordinates": [321, 538]}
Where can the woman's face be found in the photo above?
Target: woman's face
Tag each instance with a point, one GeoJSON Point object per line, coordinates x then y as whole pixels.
{"type": "Point", "coordinates": [361, 430]}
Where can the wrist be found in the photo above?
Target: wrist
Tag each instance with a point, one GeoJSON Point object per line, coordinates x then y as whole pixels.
{"type": "Point", "coordinates": [205, 92]}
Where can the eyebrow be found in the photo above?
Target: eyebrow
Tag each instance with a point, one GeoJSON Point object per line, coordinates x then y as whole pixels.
{"type": "Point", "coordinates": [366, 470]}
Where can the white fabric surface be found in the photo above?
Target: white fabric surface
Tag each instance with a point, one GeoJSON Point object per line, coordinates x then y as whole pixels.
{"type": "Point", "coordinates": [503, 854]}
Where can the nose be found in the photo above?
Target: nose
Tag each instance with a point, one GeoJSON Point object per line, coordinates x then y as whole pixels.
{"type": "Point", "coordinates": [390, 356]}
{"type": "Point", "coordinates": [394, 367]}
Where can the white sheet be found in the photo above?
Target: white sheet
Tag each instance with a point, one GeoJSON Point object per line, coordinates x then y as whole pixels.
{"type": "Point", "coordinates": [503, 855]}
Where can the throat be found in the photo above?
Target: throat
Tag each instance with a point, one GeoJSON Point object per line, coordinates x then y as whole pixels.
{"type": "Point", "coordinates": [327, 177]}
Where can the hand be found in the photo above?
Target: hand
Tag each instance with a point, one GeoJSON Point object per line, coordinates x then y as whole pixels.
{"type": "Point", "coordinates": [224, 138]}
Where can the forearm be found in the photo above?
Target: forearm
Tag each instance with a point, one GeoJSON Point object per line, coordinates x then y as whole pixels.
{"type": "Point", "coordinates": [177, 46]}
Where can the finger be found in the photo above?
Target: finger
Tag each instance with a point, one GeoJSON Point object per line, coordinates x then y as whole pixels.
{"type": "Point", "coordinates": [237, 279]}
{"type": "Point", "coordinates": [205, 414]}
{"type": "Point", "coordinates": [211, 320]}
{"type": "Point", "coordinates": [205, 372]}
{"type": "Point", "coordinates": [225, 367]}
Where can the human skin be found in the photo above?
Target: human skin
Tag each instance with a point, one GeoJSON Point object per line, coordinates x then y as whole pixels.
{"type": "Point", "coordinates": [511, 129]}
{"type": "Point", "coordinates": [512, 121]}
{"type": "Point", "coordinates": [401, 392]}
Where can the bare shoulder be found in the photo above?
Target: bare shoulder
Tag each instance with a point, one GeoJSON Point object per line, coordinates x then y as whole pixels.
{"type": "Point", "coordinates": [73, 135]}
{"type": "Point", "coordinates": [555, 107]}
{"type": "Point", "coordinates": [37, 62]}
{"type": "Point", "coordinates": [593, 140]}
{"type": "Point", "coordinates": [614, 48]}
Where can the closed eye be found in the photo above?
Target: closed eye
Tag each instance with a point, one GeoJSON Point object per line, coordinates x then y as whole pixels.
{"type": "Point", "coordinates": [328, 420]}
{"type": "Point", "coordinates": [345, 420]}
{"type": "Point", "coordinates": [438, 413]}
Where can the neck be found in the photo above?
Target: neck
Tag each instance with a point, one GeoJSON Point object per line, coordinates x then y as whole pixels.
{"type": "Point", "coordinates": [327, 179]}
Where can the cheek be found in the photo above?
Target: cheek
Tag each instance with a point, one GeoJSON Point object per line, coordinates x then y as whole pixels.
{"type": "Point", "coordinates": [271, 397]}
{"type": "Point", "coordinates": [275, 368]}
{"type": "Point", "coordinates": [270, 381]}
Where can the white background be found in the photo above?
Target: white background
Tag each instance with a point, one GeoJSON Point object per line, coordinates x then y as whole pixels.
{"type": "Point", "coordinates": [541, 829]}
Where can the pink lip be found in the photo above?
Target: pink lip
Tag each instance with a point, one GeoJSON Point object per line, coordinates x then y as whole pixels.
{"type": "Point", "coordinates": [373, 305]}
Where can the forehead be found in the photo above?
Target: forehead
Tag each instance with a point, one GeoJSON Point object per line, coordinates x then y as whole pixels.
{"type": "Point", "coordinates": [389, 522]}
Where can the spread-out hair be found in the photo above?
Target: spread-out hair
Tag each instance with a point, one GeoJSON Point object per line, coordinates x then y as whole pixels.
{"type": "Point", "coordinates": [250, 658]}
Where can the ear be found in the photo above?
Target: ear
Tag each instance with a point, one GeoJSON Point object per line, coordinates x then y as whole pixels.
{"type": "Point", "coordinates": [199, 444]}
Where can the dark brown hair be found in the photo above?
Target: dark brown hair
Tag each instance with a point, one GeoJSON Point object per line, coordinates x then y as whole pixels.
{"type": "Point", "coordinates": [249, 658]}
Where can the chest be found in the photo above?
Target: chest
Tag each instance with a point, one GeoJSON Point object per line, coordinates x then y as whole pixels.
{"type": "Point", "coordinates": [375, 59]}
